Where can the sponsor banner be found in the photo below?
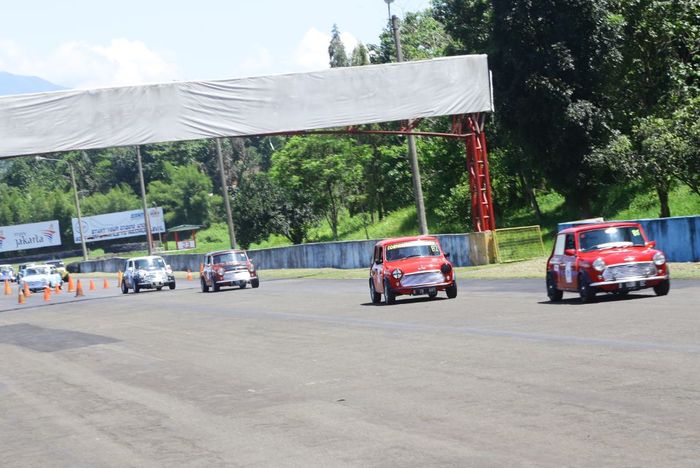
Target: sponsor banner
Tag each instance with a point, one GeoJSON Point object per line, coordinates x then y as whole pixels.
{"type": "Point", "coordinates": [29, 236]}
{"type": "Point", "coordinates": [118, 225]}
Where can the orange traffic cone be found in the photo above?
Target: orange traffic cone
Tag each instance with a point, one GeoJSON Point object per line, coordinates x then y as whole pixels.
{"type": "Point", "coordinates": [105, 284]}
{"type": "Point", "coordinates": [8, 291]}
{"type": "Point", "coordinates": [92, 285]}
{"type": "Point", "coordinates": [47, 293]}
{"type": "Point", "coordinates": [20, 297]}
{"type": "Point", "coordinates": [71, 286]}
{"type": "Point", "coordinates": [57, 289]}
{"type": "Point", "coordinates": [79, 290]}
{"type": "Point", "coordinates": [189, 275]}
{"type": "Point", "coordinates": [27, 292]}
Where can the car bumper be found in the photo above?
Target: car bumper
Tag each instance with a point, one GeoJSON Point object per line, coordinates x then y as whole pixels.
{"type": "Point", "coordinates": [421, 289]}
{"type": "Point", "coordinates": [232, 277]}
{"type": "Point", "coordinates": [156, 283]}
{"type": "Point", "coordinates": [640, 281]}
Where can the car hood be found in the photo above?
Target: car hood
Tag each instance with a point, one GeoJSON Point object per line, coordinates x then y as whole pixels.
{"type": "Point", "coordinates": [620, 255]}
{"type": "Point", "coordinates": [36, 277]}
{"type": "Point", "coordinates": [417, 264]}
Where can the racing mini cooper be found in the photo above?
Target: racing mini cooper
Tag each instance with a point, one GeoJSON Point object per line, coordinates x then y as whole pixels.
{"type": "Point", "coordinates": [228, 268]}
{"type": "Point", "coordinates": [147, 273]}
{"type": "Point", "coordinates": [613, 257]}
{"type": "Point", "coordinates": [38, 277]}
{"type": "Point", "coordinates": [410, 265]}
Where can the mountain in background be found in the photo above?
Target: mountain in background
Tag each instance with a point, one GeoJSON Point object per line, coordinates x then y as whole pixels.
{"type": "Point", "coordinates": [18, 84]}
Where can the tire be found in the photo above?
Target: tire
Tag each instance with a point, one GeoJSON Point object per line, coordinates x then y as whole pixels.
{"type": "Point", "coordinates": [242, 284]}
{"type": "Point", "coordinates": [158, 288]}
{"type": "Point", "coordinates": [137, 289]}
{"type": "Point", "coordinates": [432, 295]}
{"type": "Point", "coordinates": [554, 294]}
{"type": "Point", "coordinates": [662, 288]}
{"type": "Point", "coordinates": [205, 287]}
{"type": "Point", "coordinates": [215, 286]}
{"type": "Point", "coordinates": [171, 285]}
{"type": "Point", "coordinates": [374, 296]}
{"type": "Point", "coordinates": [389, 296]}
{"type": "Point", "coordinates": [585, 291]}
{"type": "Point", "coordinates": [255, 283]}
{"type": "Point", "coordinates": [125, 288]}
{"type": "Point", "coordinates": [451, 290]}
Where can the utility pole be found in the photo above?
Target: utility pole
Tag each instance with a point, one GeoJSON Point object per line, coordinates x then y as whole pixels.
{"type": "Point", "coordinates": [146, 217]}
{"type": "Point", "coordinates": [224, 190]}
{"type": "Point", "coordinates": [412, 153]}
{"type": "Point", "coordinates": [77, 208]}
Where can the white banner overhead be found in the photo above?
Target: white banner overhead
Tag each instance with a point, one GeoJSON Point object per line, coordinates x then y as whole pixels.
{"type": "Point", "coordinates": [337, 97]}
{"type": "Point", "coordinates": [118, 225]}
{"type": "Point", "coordinates": [29, 236]}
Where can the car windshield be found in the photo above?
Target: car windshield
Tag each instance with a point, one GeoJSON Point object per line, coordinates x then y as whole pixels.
{"type": "Point", "coordinates": [611, 237]}
{"type": "Point", "coordinates": [230, 257]}
{"type": "Point", "coordinates": [412, 249]}
{"type": "Point", "coordinates": [37, 271]}
{"type": "Point", "coordinates": [149, 264]}
{"type": "Point", "coordinates": [4, 269]}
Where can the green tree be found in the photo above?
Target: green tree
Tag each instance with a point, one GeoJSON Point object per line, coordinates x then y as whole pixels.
{"type": "Point", "coordinates": [336, 50]}
{"type": "Point", "coordinates": [328, 169]}
{"type": "Point", "coordinates": [184, 195]}
{"type": "Point", "coordinates": [257, 211]}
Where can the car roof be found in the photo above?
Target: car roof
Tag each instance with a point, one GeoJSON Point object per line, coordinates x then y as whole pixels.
{"type": "Point", "coordinates": [395, 240]}
{"type": "Point", "coordinates": [589, 227]}
{"type": "Point", "coordinates": [145, 257]}
{"type": "Point", "coordinates": [217, 252]}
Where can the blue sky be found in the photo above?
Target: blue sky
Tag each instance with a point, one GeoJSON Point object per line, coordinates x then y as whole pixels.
{"type": "Point", "coordinates": [81, 43]}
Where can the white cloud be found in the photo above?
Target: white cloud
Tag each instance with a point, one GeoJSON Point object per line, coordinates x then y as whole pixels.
{"type": "Point", "coordinates": [82, 65]}
{"type": "Point", "coordinates": [312, 51]}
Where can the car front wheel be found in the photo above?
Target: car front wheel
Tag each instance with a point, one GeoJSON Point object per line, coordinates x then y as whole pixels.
{"type": "Point", "coordinates": [172, 285]}
{"type": "Point", "coordinates": [125, 288]}
{"type": "Point", "coordinates": [242, 284]}
{"type": "Point", "coordinates": [662, 288]}
{"type": "Point", "coordinates": [389, 296]}
{"type": "Point", "coordinates": [255, 283]}
{"type": "Point", "coordinates": [205, 287]}
{"type": "Point", "coordinates": [586, 292]}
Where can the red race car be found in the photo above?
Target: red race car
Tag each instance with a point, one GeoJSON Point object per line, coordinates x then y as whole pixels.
{"type": "Point", "coordinates": [228, 268]}
{"type": "Point", "coordinates": [605, 257]}
{"type": "Point", "coordinates": [410, 265]}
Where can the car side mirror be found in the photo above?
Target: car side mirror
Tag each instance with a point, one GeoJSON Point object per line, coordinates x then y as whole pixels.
{"type": "Point", "coordinates": [651, 244]}
{"type": "Point", "coordinates": [570, 252]}
{"type": "Point", "coordinates": [447, 255]}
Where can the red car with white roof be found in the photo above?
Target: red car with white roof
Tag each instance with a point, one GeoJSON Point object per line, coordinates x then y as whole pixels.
{"type": "Point", "coordinates": [410, 265]}
{"type": "Point", "coordinates": [614, 257]}
{"type": "Point", "coordinates": [228, 268]}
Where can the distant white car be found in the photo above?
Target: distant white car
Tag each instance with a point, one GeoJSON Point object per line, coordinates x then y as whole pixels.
{"type": "Point", "coordinates": [39, 277]}
{"type": "Point", "coordinates": [147, 273]}
{"type": "Point", "coordinates": [7, 273]}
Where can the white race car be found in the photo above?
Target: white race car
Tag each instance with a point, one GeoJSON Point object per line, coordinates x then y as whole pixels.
{"type": "Point", "coordinates": [39, 277]}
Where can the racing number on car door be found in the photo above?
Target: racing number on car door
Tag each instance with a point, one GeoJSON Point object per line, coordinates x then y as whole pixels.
{"type": "Point", "coordinates": [377, 269]}
{"type": "Point", "coordinates": [568, 277]}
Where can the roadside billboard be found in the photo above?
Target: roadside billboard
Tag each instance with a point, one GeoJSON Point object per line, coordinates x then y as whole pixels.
{"type": "Point", "coordinates": [30, 236]}
{"type": "Point", "coordinates": [118, 225]}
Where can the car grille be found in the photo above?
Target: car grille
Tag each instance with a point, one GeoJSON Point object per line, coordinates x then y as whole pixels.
{"type": "Point", "coordinates": [419, 279]}
{"type": "Point", "coordinates": [235, 267]}
{"type": "Point", "coordinates": [630, 270]}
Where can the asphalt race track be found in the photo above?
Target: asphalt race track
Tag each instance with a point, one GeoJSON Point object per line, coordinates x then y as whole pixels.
{"type": "Point", "coordinates": [308, 373]}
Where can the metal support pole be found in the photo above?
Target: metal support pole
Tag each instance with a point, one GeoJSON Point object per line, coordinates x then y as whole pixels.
{"type": "Point", "coordinates": [224, 190]}
{"type": "Point", "coordinates": [77, 209]}
{"type": "Point", "coordinates": [412, 153]}
{"type": "Point", "coordinates": [146, 217]}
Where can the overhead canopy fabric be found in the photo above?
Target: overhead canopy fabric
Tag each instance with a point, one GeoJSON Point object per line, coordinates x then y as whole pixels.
{"type": "Point", "coordinates": [136, 115]}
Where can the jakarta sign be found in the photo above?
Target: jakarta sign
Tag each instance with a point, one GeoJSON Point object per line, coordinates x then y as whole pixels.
{"type": "Point", "coordinates": [29, 236]}
{"type": "Point", "coordinates": [118, 225]}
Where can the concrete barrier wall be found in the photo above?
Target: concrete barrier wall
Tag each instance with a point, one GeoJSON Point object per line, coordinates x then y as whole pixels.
{"type": "Point", "coordinates": [678, 237]}
{"type": "Point", "coordinates": [465, 250]}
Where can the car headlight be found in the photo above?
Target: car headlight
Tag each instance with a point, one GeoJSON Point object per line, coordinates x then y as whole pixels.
{"type": "Point", "coordinates": [659, 258]}
{"type": "Point", "coordinates": [599, 264]}
{"type": "Point", "coordinates": [397, 274]}
{"type": "Point", "coordinates": [220, 271]}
